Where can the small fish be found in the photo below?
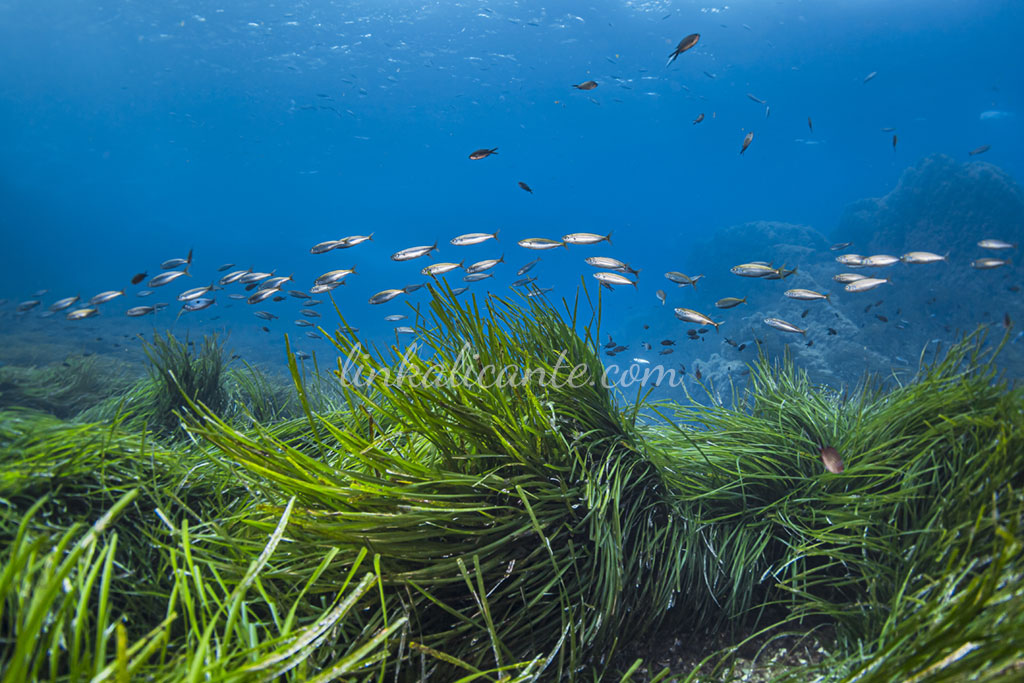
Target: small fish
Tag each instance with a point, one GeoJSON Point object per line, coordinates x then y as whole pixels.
{"type": "Point", "coordinates": [888, 129]}
{"type": "Point", "coordinates": [804, 314]}
{"type": "Point", "coordinates": [82, 314]}
{"type": "Point", "coordinates": [840, 245]}
{"type": "Point", "coordinates": [251, 277]}
{"type": "Point", "coordinates": [665, 352]}
{"type": "Point", "coordinates": [262, 295]}
{"type": "Point", "coordinates": [586, 238]}
{"type": "Point", "coordinates": [921, 257]}
{"type": "Point", "coordinates": [989, 263]}
{"type": "Point", "coordinates": [145, 292]}
{"type": "Point", "coordinates": [850, 259]}
{"type": "Point", "coordinates": [830, 458]}
{"type": "Point", "coordinates": [668, 342]}
{"type": "Point", "coordinates": [409, 289]}
{"type": "Point", "coordinates": [164, 278]}
{"type": "Point", "coordinates": [304, 323]}
{"type": "Point", "coordinates": [195, 293]}
{"type": "Point", "coordinates": [684, 45]}
{"type": "Point", "coordinates": [526, 187]}
{"type": "Point", "coordinates": [175, 262]}
{"type": "Point", "coordinates": [641, 361]}
{"type": "Point", "coordinates": [274, 282]}
{"type": "Point", "coordinates": [700, 117]}
{"type": "Point", "coordinates": [298, 295]}
{"type": "Point", "coordinates": [459, 290]}
{"type": "Point", "coordinates": [224, 267]}
{"type": "Point", "coordinates": [682, 279]}
{"type": "Point", "coordinates": [613, 279]}
{"type": "Point", "coordinates": [385, 296]}
{"type": "Point", "coordinates": [865, 284]}
{"type": "Point", "coordinates": [870, 76]}
{"type": "Point", "coordinates": [197, 304]}
{"type": "Point", "coordinates": [483, 153]}
{"type": "Point", "coordinates": [138, 277]}
{"type": "Point", "coordinates": [528, 267]}
{"type": "Point", "coordinates": [730, 302]}
{"type": "Point", "coordinates": [476, 277]}
{"type": "Point", "coordinates": [741, 347]}
{"type": "Point", "coordinates": [265, 328]}
{"type": "Point", "coordinates": [586, 85]}
{"type": "Point", "coordinates": [231, 278]}
{"type": "Point", "coordinates": [782, 325]}
{"type": "Point", "coordinates": [894, 140]}
{"type": "Point", "coordinates": [469, 238]}
{"type": "Point", "coordinates": [137, 311]}
{"type": "Point", "coordinates": [353, 240]}
{"type": "Point", "coordinates": [481, 266]}
{"type": "Point", "coordinates": [805, 294]}
{"type": "Point", "coordinates": [522, 282]}
{"type": "Point", "coordinates": [320, 289]}
{"type": "Point", "coordinates": [302, 355]}
{"type": "Point", "coordinates": [413, 252]}
{"type": "Point", "coordinates": [810, 125]}
{"type": "Point", "coordinates": [539, 292]}
{"type": "Point", "coordinates": [755, 98]}
{"type": "Point", "coordinates": [266, 315]}
{"type": "Point", "coordinates": [404, 329]}
{"type": "Point", "coordinates": [697, 374]}
{"type": "Point", "coordinates": [646, 345]}
{"type": "Point", "coordinates": [395, 317]}
{"type": "Point", "coordinates": [979, 150]}
{"type": "Point", "coordinates": [881, 317]}
{"type": "Point", "coordinates": [441, 268]}
{"type": "Point", "coordinates": [661, 296]}
{"type": "Point", "coordinates": [324, 247]}
{"type": "Point", "coordinates": [104, 297]}
{"type": "Point", "coordinates": [540, 243]}
{"type": "Point", "coordinates": [334, 276]}
{"type": "Point", "coordinates": [309, 313]}
{"type": "Point", "coordinates": [752, 270]}
{"type": "Point", "coordinates": [832, 331]}
{"type": "Point", "coordinates": [64, 303]}
{"type": "Point", "coordinates": [609, 263]}
{"type": "Point", "coordinates": [996, 244]}
{"type": "Point", "coordinates": [313, 335]}
{"type": "Point", "coordinates": [879, 260]}
{"type": "Point", "coordinates": [746, 141]}
{"type": "Point", "coordinates": [691, 316]}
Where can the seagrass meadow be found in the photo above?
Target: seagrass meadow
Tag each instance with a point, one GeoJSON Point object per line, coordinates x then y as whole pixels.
{"type": "Point", "coordinates": [208, 523]}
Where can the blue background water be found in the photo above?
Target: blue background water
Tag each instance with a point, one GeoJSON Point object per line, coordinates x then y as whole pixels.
{"type": "Point", "coordinates": [132, 131]}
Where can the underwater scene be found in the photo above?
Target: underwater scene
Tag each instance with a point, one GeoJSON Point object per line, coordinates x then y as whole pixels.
{"type": "Point", "coordinates": [633, 340]}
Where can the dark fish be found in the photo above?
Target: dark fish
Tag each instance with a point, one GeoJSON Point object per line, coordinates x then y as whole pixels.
{"type": "Point", "coordinates": [610, 345]}
{"type": "Point", "coordinates": [483, 153]}
{"type": "Point", "coordinates": [894, 143]}
{"type": "Point", "coordinates": [697, 373]}
{"type": "Point", "coordinates": [730, 342]}
{"type": "Point", "coordinates": [279, 298]}
{"type": "Point", "coordinates": [668, 342]}
{"type": "Point", "coordinates": [830, 457]}
{"type": "Point", "coordinates": [810, 342]}
{"type": "Point", "coordinates": [665, 352]}
{"type": "Point", "coordinates": [804, 314]}
{"type": "Point", "coordinates": [700, 117]}
{"type": "Point", "coordinates": [756, 99]}
{"type": "Point", "coordinates": [1007, 323]}
{"type": "Point", "coordinates": [684, 45]}
{"type": "Point", "coordinates": [586, 85]}
{"type": "Point", "coordinates": [746, 142]}
{"type": "Point", "coordinates": [525, 187]}
{"type": "Point", "coordinates": [881, 317]}
{"type": "Point", "coordinates": [138, 277]}
{"type": "Point", "coordinates": [741, 347]}
{"type": "Point", "coordinates": [620, 349]}
{"type": "Point", "coordinates": [810, 125]}
{"type": "Point", "coordinates": [832, 331]}
{"type": "Point", "coordinates": [979, 150]}
{"type": "Point", "coordinates": [265, 328]}
{"type": "Point", "coordinates": [226, 266]}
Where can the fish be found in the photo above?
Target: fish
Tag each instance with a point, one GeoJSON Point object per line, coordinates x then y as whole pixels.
{"type": "Point", "coordinates": [324, 247]}
{"type": "Point", "coordinates": [586, 85]}
{"type": "Point", "coordinates": [522, 282]}
{"type": "Point", "coordinates": [752, 270]}
{"type": "Point", "coordinates": [104, 297]}
{"type": "Point", "coordinates": [805, 295]}
{"type": "Point", "coordinates": [275, 282]}
{"type": "Point", "coordinates": [830, 458]}
{"type": "Point", "coordinates": [481, 266]}
{"type": "Point", "coordinates": [888, 129]}
{"type": "Point", "coordinates": [302, 355]}
{"type": "Point", "coordinates": [700, 117]}
{"type": "Point", "coordinates": [529, 266]}
{"type": "Point", "coordinates": [231, 278]}
{"type": "Point", "coordinates": [996, 244]}
{"type": "Point", "coordinates": [989, 263]}
{"type": "Point", "coordinates": [609, 263]}
{"type": "Point", "coordinates": [482, 153]}
{"type": "Point", "coordinates": [312, 302]}
{"type": "Point", "coordinates": [195, 293]}
{"type": "Point", "coordinates": [881, 317]}
{"type": "Point", "coordinates": [894, 139]}
{"type": "Point", "coordinates": [755, 98]}
{"type": "Point", "coordinates": [684, 45]}
{"type": "Point", "coordinates": [746, 141]}
{"type": "Point", "coordinates": [469, 238]}
{"type": "Point", "coordinates": [682, 279]}
{"type": "Point", "coordinates": [459, 290]}
{"type": "Point", "coordinates": [395, 317]}
{"type": "Point", "coordinates": [385, 296]}
{"type": "Point", "coordinates": [641, 361]}
{"type": "Point", "coordinates": [164, 278]}
{"type": "Point", "coordinates": [309, 313]}
{"type": "Point", "coordinates": [866, 284]}
{"type": "Point", "coordinates": [780, 273]}
{"type": "Point", "coordinates": [224, 267]}
{"type": "Point", "coordinates": [741, 347]}
{"type": "Point", "coordinates": [175, 262]}
{"type": "Point", "coordinates": [136, 311]}
{"type": "Point", "coordinates": [804, 314]}
{"type": "Point", "coordinates": [832, 331]}
{"type": "Point", "coordinates": [691, 316]}
{"type": "Point", "coordinates": [262, 295]}
{"type": "Point", "coordinates": [313, 335]}
{"type": "Point", "coordinates": [409, 289]}
{"type": "Point", "coordinates": [661, 296]}
{"type": "Point", "coordinates": [320, 289]}
{"type": "Point", "coordinates": [441, 268]}
{"type": "Point", "coordinates": [586, 238]}
{"type": "Point", "coordinates": [145, 292]}
{"type": "Point", "coordinates": [138, 277]}
{"type": "Point", "coordinates": [539, 292]}
{"type": "Point", "coordinates": [810, 125]}
{"type": "Point", "coordinates": [870, 76]}
{"type": "Point", "coordinates": [665, 352]}
{"type": "Point", "coordinates": [66, 302]}
{"type": "Point", "coordinates": [304, 323]}
{"type": "Point", "coordinates": [646, 345]}
{"type": "Point", "coordinates": [82, 314]}
{"type": "Point", "coordinates": [197, 304]}
{"type": "Point", "coordinates": [298, 295]}
{"type": "Point", "coordinates": [405, 329]}
{"type": "Point", "coordinates": [476, 277]}
{"type": "Point", "coordinates": [266, 315]}
{"type": "Point", "coordinates": [730, 302]}
{"type": "Point", "coordinates": [526, 187]}
{"type": "Point", "coordinates": [840, 245]}
{"type": "Point", "coordinates": [879, 260]}
{"type": "Point", "coordinates": [613, 279]}
{"type": "Point", "coordinates": [540, 243]}
{"type": "Point", "coordinates": [921, 257]}
{"type": "Point", "coordinates": [334, 276]}
{"type": "Point", "coordinates": [979, 150]}
{"type": "Point", "coordinates": [782, 325]}
{"type": "Point", "coordinates": [250, 278]}
{"type": "Point", "coordinates": [850, 259]}
{"type": "Point", "coordinates": [848, 277]}
{"type": "Point", "coordinates": [413, 252]}
{"type": "Point", "coordinates": [668, 342]}
{"type": "Point", "coordinates": [353, 240]}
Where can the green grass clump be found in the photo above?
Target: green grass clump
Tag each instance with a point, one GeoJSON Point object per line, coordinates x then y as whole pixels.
{"type": "Point", "coordinates": [62, 389]}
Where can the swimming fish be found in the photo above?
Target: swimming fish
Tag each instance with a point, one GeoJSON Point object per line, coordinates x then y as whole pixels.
{"type": "Point", "coordinates": [469, 238]}
{"type": "Point", "coordinates": [440, 268]}
{"type": "Point", "coordinates": [586, 85]}
{"type": "Point", "coordinates": [483, 153]}
{"type": "Point", "coordinates": [164, 278]}
{"type": "Point", "coordinates": [104, 297]}
{"type": "Point", "coordinates": [262, 295]}
{"type": "Point", "coordinates": [692, 316]}
{"type": "Point", "coordinates": [684, 45]}
{"type": "Point", "coordinates": [730, 302]}
{"type": "Point", "coordinates": [266, 315]}
{"type": "Point", "coordinates": [63, 303]}
{"type": "Point", "coordinates": [224, 267]}
{"type": "Point", "coordinates": [137, 311]}
{"type": "Point", "coordinates": [746, 141]}
{"type": "Point", "coordinates": [996, 244]}
{"type": "Point", "coordinates": [525, 269]}
{"type": "Point", "coordinates": [586, 238]}
{"type": "Point", "coordinates": [661, 296]}
{"type": "Point", "coordinates": [894, 143]}
{"type": "Point", "coordinates": [989, 263]}
{"type": "Point", "coordinates": [866, 284]}
{"type": "Point", "coordinates": [334, 276]}
{"type": "Point", "coordinates": [481, 266]}
{"type": "Point", "coordinates": [234, 277]}
{"type": "Point", "coordinates": [830, 458]}
{"type": "Point", "coordinates": [82, 313]}
{"type": "Point", "coordinates": [805, 294]}
{"type": "Point", "coordinates": [195, 293]}
{"type": "Point", "coordinates": [385, 296]}
{"type": "Point", "coordinates": [921, 257]}
{"type": "Point", "coordinates": [840, 245]}
{"type": "Point", "coordinates": [609, 263]}
{"type": "Point", "coordinates": [782, 325]}
{"type": "Point", "coordinates": [175, 262]}
{"type": "Point", "coordinates": [700, 117]}
{"type": "Point", "coordinates": [879, 260]}
{"type": "Point", "coordinates": [540, 243]}
{"type": "Point", "coordinates": [415, 252]}
{"type": "Point", "coordinates": [752, 270]}
{"type": "Point", "coordinates": [476, 277]}
{"type": "Point", "coordinates": [613, 279]}
{"type": "Point", "coordinates": [979, 150]}
{"type": "Point", "coordinates": [756, 99]}
{"type": "Point", "coordinates": [848, 277]}
{"type": "Point", "coordinates": [850, 259]}
{"type": "Point", "coordinates": [870, 76]}
{"type": "Point", "coordinates": [525, 187]}
{"type": "Point", "coordinates": [683, 279]}
{"type": "Point", "coordinates": [809, 124]}
{"type": "Point", "coordinates": [138, 277]}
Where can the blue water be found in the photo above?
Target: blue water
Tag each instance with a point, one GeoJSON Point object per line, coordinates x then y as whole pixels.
{"type": "Point", "coordinates": [249, 131]}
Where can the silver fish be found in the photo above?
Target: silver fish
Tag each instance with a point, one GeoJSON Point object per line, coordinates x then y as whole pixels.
{"type": "Point", "coordinates": [266, 315]}
{"type": "Point", "coordinates": [334, 276]}
{"type": "Point", "coordinates": [476, 277]}
{"type": "Point", "coordinates": [850, 259]}
{"type": "Point", "coordinates": [164, 278]}
{"type": "Point", "coordinates": [730, 302]}
{"type": "Point", "coordinates": [459, 290]}
{"type": "Point", "coordinates": [385, 296]}
{"type": "Point", "coordinates": [662, 297]}
{"type": "Point", "coordinates": [683, 279]}
{"type": "Point", "coordinates": [312, 302]}
{"type": "Point", "coordinates": [539, 292]}
{"type": "Point", "coordinates": [614, 279]}
{"type": "Point", "coordinates": [82, 314]}
{"type": "Point", "coordinates": [840, 246]}
{"type": "Point", "coordinates": [989, 263]}
{"type": "Point", "coordinates": [525, 269]}
{"type": "Point", "coordinates": [175, 262]}
{"type": "Point", "coordinates": [28, 305]}
{"type": "Point", "coordinates": [254, 277]}
{"type": "Point", "coordinates": [780, 324]}
{"type": "Point", "coordinates": [395, 317]}
{"type": "Point", "coordinates": [996, 244]}
{"type": "Point", "coordinates": [441, 268]}
{"type": "Point", "coordinates": [304, 323]}
{"type": "Point", "coordinates": [238, 296]}
{"type": "Point", "coordinates": [64, 303]}
{"type": "Point", "coordinates": [194, 293]}
{"type": "Point", "coordinates": [805, 295]}
{"type": "Point", "coordinates": [234, 277]}
{"type": "Point", "coordinates": [848, 277]}
{"type": "Point", "coordinates": [409, 289]}
{"type": "Point", "coordinates": [274, 282]}
{"type": "Point", "coordinates": [320, 289]}
{"type": "Point", "coordinates": [921, 257]}
{"type": "Point", "coordinates": [144, 292]}
{"type": "Point", "coordinates": [586, 238]}
{"type": "Point", "coordinates": [324, 247]}
{"type": "Point", "coordinates": [137, 311]}
{"type": "Point", "coordinates": [353, 240]}
{"type": "Point", "coordinates": [224, 267]}
{"type": "Point", "coordinates": [262, 295]}
{"type": "Point", "coordinates": [198, 304]}
{"type": "Point", "coordinates": [104, 297]}
{"type": "Point", "coordinates": [297, 294]}
{"type": "Point", "coordinates": [473, 238]}
{"type": "Point", "coordinates": [522, 282]}
{"type": "Point", "coordinates": [540, 243]}
{"type": "Point", "coordinates": [309, 313]}
{"type": "Point", "coordinates": [481, 266]}
{"type": "Point", "coordinates": [752, 270]}
{"type": "Point", "coordinates": [866, 284]}
{"type": "Point", "coordinates": [609, 263]}
{"type": "Point", "coordinates": [691, 316]}
{"type": "Point", "coordinates": [413, 252]}
{"type": "Point", "coordinates": [404, 329]}
{"type": "Point", "coordinates": [879, 260]}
